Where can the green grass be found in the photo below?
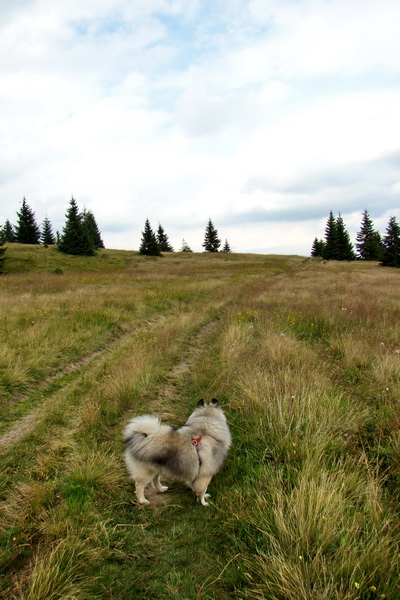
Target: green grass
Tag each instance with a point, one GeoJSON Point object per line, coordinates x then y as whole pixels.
{"type": "Point", "coordinates": [303, 357]}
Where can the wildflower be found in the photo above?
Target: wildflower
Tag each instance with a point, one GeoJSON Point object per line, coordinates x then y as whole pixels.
{"type": "Point", "coordinates": [300, 557]}
{"type": "Point", "coordinates": [372, 588]}
{"type": "Point", "coordinates": [358, 585]}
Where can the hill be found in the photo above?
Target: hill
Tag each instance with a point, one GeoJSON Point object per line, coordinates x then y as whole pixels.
{"type": "Point", "coordinates": [25, 258]}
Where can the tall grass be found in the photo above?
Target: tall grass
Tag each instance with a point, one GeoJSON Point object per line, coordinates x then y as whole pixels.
{"type": "Point", "coordinates": [320, 457]}
{"type": "Point", "coordinates": [303, 358]}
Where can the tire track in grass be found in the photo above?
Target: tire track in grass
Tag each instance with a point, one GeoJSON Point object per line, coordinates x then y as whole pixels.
{"type": "Point", "coordinates": [169, 392]}
{"type": "Point", "coordinates": [26, 424]}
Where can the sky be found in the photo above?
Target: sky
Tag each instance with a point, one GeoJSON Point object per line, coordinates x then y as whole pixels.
{"type": "Point", "coordinates": [261, 115]}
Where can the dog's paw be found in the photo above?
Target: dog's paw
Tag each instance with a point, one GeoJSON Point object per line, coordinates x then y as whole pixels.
{"type": "Point", "coordinates": [202, 499]}
{"type": "Point", "coordinates": [162, 488]}
{"type": "Point", "coordinates": [143, 501]}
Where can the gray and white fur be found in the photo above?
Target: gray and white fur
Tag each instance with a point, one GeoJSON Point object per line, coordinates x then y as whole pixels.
{"type": "Point", "coordinates": [192, 453]}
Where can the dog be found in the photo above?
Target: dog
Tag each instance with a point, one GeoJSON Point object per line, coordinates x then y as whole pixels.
{"type": "Point", "coordinates": [192, 454]}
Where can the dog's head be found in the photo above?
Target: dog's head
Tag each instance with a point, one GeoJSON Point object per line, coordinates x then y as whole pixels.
{"type": "Point", "coordinates": [211, 409]}
{"type": "Point", "coordinates": [214, 402]}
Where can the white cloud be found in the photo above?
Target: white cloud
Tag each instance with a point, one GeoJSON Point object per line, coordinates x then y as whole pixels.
{"type": "Point", "coordinates": [179, 111]}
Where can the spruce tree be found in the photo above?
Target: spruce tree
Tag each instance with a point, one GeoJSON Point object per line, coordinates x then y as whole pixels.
{"type": "Point", "coordinates": [27, 231]}
{"type": "Point", "coordinates": [211, 239]}
{"type": "Point", "coordinates": [185, 247]}
{"type": "Point", "coordinates": [391, 245]}
{"type": "Point", "coordinates": [330, 251]}
{"type": "Point", "coordinates": [7, 233]}
{"type": "Point", "coordinates": [163, 241]}
{"type": "Point", "coordinates": [344, 246]}
{"type": "Point", "coordinates": [47, 236]}
{"type": "Point", "coordinates": [226, 247]}
{"type": "Point", "coordinates": [149, 244]}
{"type": "Point", "coordinates": [90, 223]}
{"type": "Point", "coordinates": [369, 243]}
{"type": "Point", "coordinates": [75, 238]}
{"type": "Point", "coordinates": [317, 248]}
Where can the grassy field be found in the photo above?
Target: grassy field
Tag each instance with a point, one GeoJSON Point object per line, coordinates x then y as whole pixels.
{"type": "Point", "coordinates": [304, 356]}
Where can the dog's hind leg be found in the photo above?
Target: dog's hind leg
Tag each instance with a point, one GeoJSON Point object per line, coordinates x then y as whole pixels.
{"type": "Point", "coordinates": [199, 486]}
{"type": "Point", "coordinates": [158, 486]}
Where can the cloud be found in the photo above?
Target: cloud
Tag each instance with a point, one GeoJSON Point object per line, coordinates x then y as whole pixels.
{"type": "Point", "coordinates": [261, 115]}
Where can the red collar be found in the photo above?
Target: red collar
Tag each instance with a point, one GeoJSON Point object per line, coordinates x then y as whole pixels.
{"type": "Point", "coordinates": [196, 442]}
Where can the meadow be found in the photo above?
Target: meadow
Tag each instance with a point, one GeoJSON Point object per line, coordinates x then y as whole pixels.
{"type": "Point", "coordinates": [304, 357]}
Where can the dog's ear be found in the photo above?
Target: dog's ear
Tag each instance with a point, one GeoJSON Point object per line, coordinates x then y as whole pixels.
{"type": "Point", "coordinates": [200, 403]}
{"type": "Point", "coordinates": [214, 402]}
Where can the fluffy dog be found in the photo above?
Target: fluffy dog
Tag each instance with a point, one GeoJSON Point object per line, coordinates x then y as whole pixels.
{"type": "Point", "coordinates": [192, 454]}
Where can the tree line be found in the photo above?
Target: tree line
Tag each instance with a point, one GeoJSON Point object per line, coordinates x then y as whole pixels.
{"type": "Point", "coordinates": [369, 244]}
{"type": "Point", "coordinates": [153, 243]}
{"type": "Point", "coordinates": [81, 235]}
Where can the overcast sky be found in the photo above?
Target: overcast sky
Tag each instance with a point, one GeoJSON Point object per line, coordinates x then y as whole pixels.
{"type": "Point", "coordinates": [262, 115]}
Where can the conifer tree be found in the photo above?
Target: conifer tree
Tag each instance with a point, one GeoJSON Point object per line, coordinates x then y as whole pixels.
{"type": "Point", "coordinates": [369, 243]}
{"type": "Point", "coordinates": [163, 241]}
{"type": "Point", "coordinates": [90, 223]}
{"type": "Point", "coordinates": [75, 238]}
{"type": "Point", "coordinates": [185, 247]}
{"type": "Point", "coordinates": [226, 247]}
{"type": "Point", "coordinates": [330, 251]}
{"type": "Point", "coordinates": [27, 231]}
{"type": "Point", "coordinates": [47, 236]}
{"type": "Point", "coordinates": [317, 248]}
{"type": "Point", "coordinates": [344, 246]}
{"type": "Point", "coordinates": [7, 233]}
{"type": "Point", "coordinates": [211, 239]}
{"type": "Point", "coordinates": [391, 245]}
{"type": "Point", "coordinates": [149, 244]}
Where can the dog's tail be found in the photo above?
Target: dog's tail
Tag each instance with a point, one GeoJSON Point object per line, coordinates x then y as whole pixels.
{"type": "Point", "coordinates": [146, 425]}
